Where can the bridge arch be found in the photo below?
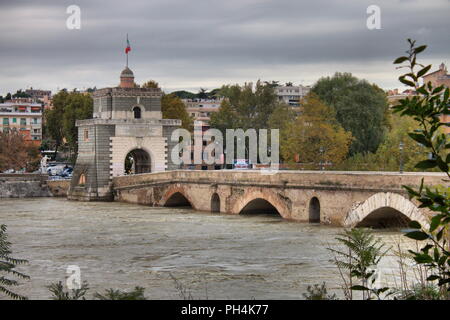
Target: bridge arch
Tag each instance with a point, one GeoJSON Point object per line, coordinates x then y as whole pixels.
{"type": "Point", "coordinates": [215, 202]}
{"type": "Point", "coordinates": [314, 210]}
{"type": "Point", "coordinates": [252, 201]}
{"type": "Point", "coordinates": [384, 210]}
{"type": "Point", "coordinates": [176, 197]}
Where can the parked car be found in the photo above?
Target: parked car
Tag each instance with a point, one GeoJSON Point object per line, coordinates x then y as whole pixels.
{"type": "Point", "coordinates": [54, 169]}
{"type": "Point", "coordinates": [67, 172]}
{"type": "Point", "coordinates": [241, 164]}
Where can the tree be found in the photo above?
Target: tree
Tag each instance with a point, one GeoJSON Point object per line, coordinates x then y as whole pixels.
{"type": "Point", "coordinates": [173, 108]}
{"type": "Point", "coordinates": [280, 119]}
{"type": "Point", "coordinates": [360, 108]}
{"type": "Point", "coordinates": [252, 106]}
{"type": "Point", "coordinates": [150, 84]}
{"type": "Point", "coordinates": [426, 109]}
{"type": "Point", "coordinates": [78, 106]}
{"type": "Point", "coordinates": [21, 94]}
{"type": "Point", "coordinates": [202, 94]}
{"type": "Point", "coordinates": [8, 267]}
{"type": "Point", "coordinates": [388, 155]}
{"type": "Point", "coordinates": [225, 118]}
{"type": "Point", "coordinates": [60, 121]}
{"type": "Point", "coordinates": [184, 94]}
{"type": "Point", "coordinates": [53, 118]}
{"type": "Point", "coordinates": [16, 153]}
{"type": "Point", "coordinates": [315, 136]}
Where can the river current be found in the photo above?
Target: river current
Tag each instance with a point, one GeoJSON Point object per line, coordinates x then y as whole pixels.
{"type": "Point", "coordinates": [214, 256]}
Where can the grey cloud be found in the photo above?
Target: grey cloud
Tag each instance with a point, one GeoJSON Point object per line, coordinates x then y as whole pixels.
{"type": "Point", "coordinates": [211, 41]}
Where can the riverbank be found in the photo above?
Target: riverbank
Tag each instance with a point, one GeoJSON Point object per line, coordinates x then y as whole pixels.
{"type": "Point", "coordinates": [30, 185]}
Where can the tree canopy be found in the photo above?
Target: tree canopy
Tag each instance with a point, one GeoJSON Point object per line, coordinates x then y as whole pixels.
{"type": "Point", "coordinates": [251, 106]}
{"type": "Point", "coordinates": [16, 153]}
{"type": "Point", "coordinates": [60, 121]}
{"type": "Point", "coordinates": [315, 136]}
{"type": "Point", "coordinates": [360, 108]}
{"type": "Point", "coordinates": [173, 108]}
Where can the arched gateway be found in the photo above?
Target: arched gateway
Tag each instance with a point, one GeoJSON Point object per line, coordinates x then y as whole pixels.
{"type": "Point", "coordinates": [127, 135]}
{"type": "Point", "coordinates": [138, 161]}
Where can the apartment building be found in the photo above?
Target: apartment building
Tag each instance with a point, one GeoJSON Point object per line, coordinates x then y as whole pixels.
{"type": "Point", "coordinates": [291, 94]}
{"type": "Point", "coordinates": [25, 117]}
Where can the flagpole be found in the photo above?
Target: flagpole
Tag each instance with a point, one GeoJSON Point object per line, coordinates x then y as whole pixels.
{"type": "Point", "coordinates": [127, 51]}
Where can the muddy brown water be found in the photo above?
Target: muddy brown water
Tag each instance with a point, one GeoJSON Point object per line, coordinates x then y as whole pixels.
{"type": "Point", "coordinates": [214, 256]}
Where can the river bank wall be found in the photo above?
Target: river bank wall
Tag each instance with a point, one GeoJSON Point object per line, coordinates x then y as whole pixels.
{"type": "Point", "coordinates": [29, 185]}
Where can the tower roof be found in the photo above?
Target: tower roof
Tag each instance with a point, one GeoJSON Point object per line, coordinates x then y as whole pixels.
{"type": "Point", "coordinates": [127, 73]}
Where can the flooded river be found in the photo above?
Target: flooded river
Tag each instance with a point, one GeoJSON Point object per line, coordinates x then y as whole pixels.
{"type": "Point", "coordinates": [215, 256]}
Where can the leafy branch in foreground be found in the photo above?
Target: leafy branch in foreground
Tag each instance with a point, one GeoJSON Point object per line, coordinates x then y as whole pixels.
{"type": "Point", "coordinates": [7, 267]}
{"type": "Point", "coordinates": [60, 293]}
{"type": "Point", "coordinates": [426, 108]}
{"type": "Point", "coordinates": [361, 254]}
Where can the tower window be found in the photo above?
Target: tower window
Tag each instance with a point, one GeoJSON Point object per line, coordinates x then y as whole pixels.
{"type": "Point", "coordinates": [137, 112]}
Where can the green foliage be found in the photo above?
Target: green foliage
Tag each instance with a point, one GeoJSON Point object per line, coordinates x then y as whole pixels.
{"type": "Point", "coordinates": [426, 108]}
{"type": "Point", "coordinates": [59, 293]}
{"type": "Point", "coordinates": [202, 94]}
{"type": "Point", "coordinates": [7, 267]}
{"type": "Point", "coordinates": [418, 292]}
{"type": "Point", "coordinates": [173, 108]}
{"type": "Point", "coordinates": [314, 137]}
{"type": "Point", "coordinates": [251, 106]}
{"type": "Point", "coordinates": [150, 84]}
{"type": "Point", "coordinates": [388, 155]}
{"type": "Point", "coordinates": [360, 108]}
{"type": "Point", "coordinates": [111, 294]}
{"type": "Point", "coordinates": [361, 254]}
{"type": "Point", "coordinates": [60, 121]}
{"type": "Point", "coordinates": [21, 94]}
{"type": "Point", "coordinates": [318, 292]}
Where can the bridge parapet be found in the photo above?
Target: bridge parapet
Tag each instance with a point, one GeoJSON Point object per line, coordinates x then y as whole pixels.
{"type": "Point", "coordinates": [383, 181]}
{"type": "Point", "coordinates": [338, 198]}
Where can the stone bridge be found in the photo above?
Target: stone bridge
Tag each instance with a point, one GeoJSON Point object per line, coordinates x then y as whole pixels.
{"type": "Point", "coordinates": [347, 199]}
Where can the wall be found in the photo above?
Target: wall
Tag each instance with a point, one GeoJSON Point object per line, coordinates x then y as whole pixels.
{"type": "Point", "coordinates": [23, 186]}
{"type": "Point", "coordinates": [58, 188]}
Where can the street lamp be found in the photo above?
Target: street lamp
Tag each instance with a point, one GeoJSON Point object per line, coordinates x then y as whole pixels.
{"type": "Point", "coordinates": [321, 150]}
{"type": "Point", "coordinates": [400, 147]}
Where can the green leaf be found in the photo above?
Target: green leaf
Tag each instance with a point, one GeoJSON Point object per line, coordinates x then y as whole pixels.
{"type": "Point", "coordinates": [423, 71]}
{"type": "Point", "coordinates": [419, 49]}
{"type": "Point", "coordinates": [357, 287]}
{"type": "Point", "coordinates": [423, 258]}
{"type": "Point", "coordinates": [442, 165]}
{"type": "Point", "coordinates": [426, 164]}
{"type": "Point", "coordinates": [400, 60]}
{"type": "Point", "coordinates": [407, 82]}
{"type": "Point", "coordinates": [435, 221]}
{"type": "Point", "coordinates": [420, 138]}
{"type": "Point", "coordinates": [417, 235]}
{"type": "Point", "coordinates": [433, 277]}
{"type": "Point", "coordinates": [415, 225]}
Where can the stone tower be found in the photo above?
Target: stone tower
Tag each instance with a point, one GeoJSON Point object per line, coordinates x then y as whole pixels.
{"type": "Point", "coordinates": [127, 126]}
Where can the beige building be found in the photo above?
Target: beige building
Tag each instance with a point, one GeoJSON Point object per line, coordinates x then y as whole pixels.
{"type": "Point", "coordinates": [438, 78]}
{"type": "Point", "coordinates": [292, 95]}
{"type": "Point", "coordinates": [25, 117]}
{"type": "Point", "coordinates": [201, 109]}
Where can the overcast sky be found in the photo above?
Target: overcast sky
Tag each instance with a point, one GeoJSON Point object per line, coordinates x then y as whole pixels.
{"type": "Point", "coordinates": [188, 44]}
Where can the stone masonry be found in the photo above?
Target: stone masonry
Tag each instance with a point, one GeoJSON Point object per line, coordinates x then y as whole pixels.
{"type": "Point", "coordinates": [127, 121]}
